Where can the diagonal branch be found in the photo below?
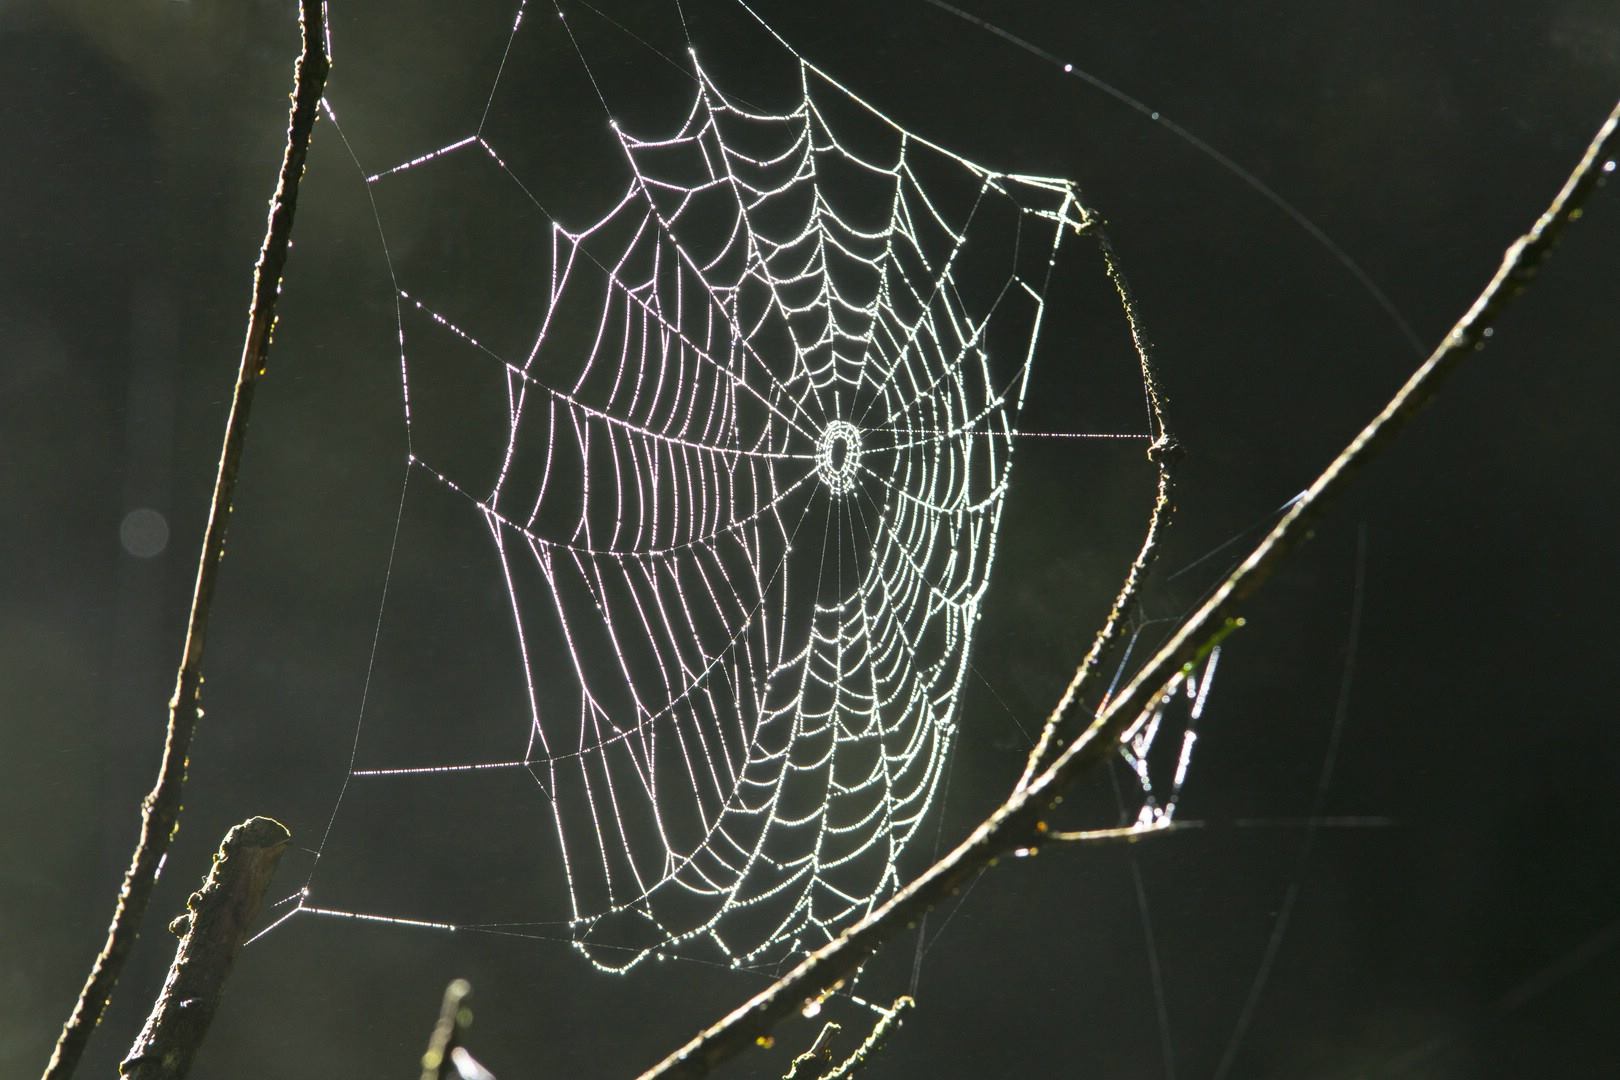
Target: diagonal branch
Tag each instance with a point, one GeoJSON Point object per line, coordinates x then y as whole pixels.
{"type": "Point", "coordinates": [1017, 821]}
{"type": "Point", "coordinates": [160, 809]}
{"type": "Point", "coordinates": [211, 932]}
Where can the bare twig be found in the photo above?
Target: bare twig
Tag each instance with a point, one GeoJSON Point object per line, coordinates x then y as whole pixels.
{"type": "Point", "coordinates": [1124, 834]}
{"type": "Point", "coordinates": [446, 1058]}
{"type": "Point", "coordinates": [1015, 823]}
{"type": "Point", "coordinates": [1164, 453]}
{"type": "Point", "coordinates": [215, 923]}
{"type": "Point", "coordinates": [454, 1018]}
{"type": "Point", "coordinates": [863, 1053]}
{"type": "Point", "coordinates": [819, 1054]}
{"type": "Point", "coordinates": [160, 810]}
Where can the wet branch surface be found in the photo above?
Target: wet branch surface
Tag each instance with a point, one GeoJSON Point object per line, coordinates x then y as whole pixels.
{"type": "Point", "coordinates": [217, 919]}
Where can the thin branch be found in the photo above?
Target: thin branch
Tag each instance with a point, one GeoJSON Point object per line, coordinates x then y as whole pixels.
{"type": "Point", "coordinates": [215, 924]}
{"type": "Point", "coordinates": [1164, 453]}
{"type": "Point", "coordinates": [819, 1054]}
{"type": "Point", "coordinates": [160, 809]}
{"type": "Point", "coordinates": [446, 1058]}
{"type": "Point", "coordinates": [454, 1018]}
{"type": "Point", "coordinates": [1125, 834]}
{"type": "Point", "coordinates": [1015, 823]}
{"type": "Point", "coordinates": [863, 1054]}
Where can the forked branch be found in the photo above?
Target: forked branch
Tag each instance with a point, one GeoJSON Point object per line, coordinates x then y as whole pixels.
{"type": "Point", "coordinates": [1016, 822]}
{"type": "Point", "coordinates": [160, 809]}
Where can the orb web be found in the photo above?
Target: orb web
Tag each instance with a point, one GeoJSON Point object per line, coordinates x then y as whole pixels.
{"type": "Point", "coordinates": [744, 482]}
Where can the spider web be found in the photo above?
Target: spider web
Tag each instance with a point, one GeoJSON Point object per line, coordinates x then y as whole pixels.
{"type": "Point", "coordinates": [744, 478]}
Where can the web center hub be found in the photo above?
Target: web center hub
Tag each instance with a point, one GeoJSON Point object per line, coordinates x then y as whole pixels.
{"type": "Point", "coordinates": [838, 454]}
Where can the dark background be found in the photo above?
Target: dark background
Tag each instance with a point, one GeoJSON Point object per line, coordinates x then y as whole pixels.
{"type": "Point", "coordinates": [1475, 936]}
